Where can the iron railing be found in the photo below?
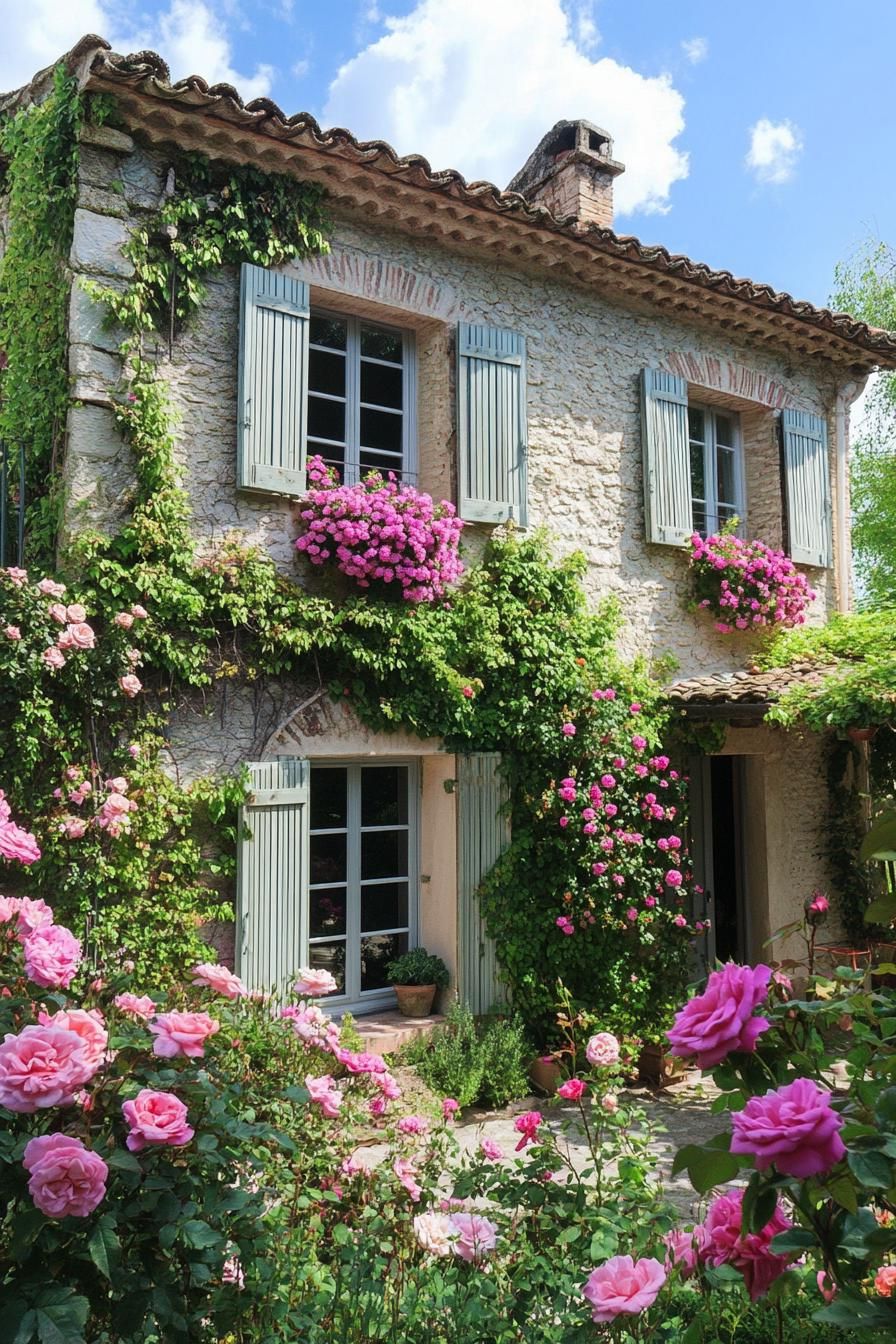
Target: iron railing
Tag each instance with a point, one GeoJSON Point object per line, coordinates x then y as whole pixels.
{"type": "Point", "coordinates": [12, 504]}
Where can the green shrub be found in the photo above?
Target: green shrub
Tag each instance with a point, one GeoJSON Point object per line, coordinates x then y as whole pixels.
{"type": "Point", "coordinates": [418, 967]}
{"type": "Point", "coordinates": [504, 1052]}
{"type": "Point", "coordinates": [474, 1063]}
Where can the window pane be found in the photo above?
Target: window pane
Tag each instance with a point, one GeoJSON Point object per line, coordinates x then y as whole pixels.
{"type": "Point", "coordinates": [380, 344]}
{"type": "Point", "coordinates": [380, 429]}
{"type": "Point", "coordinates": [695, 425]}
{"type": "Point", "coordinates": [376, 953]}
{"type": "Point", "coordinates": [725, 430]}
{"type": "Point", "coordinates": [326, 419]}
{"type": "Point", "coordinates": [381, 385]}
{"type": "Point", "coordinates": [328, 798]}
{"type": "Point", "coordinates": [333, 457]}
{"type": "Point", "coordinates": [382, 462]}
{"type": "Point", "coordinates": [384, 796]}
{"type": "Point", "coordinates": [384, 906]}
{"type": "Point", "coordinates": [328, 331]}
{"type": "Point", "coordinates": [699, 518]}
{"type": "Point", "coordinates": [328, 912]}
{"type": "Point", "coordinates": [698, 473]}
{"type": "Point", "coordinates": [327, 863]}
{"type": "Point", "coordinates": [326, 373]}
{"type": "Point", "coordinates": [384, 854]}
{"type": "Point", "coordinates": [726, 511]}
{"type": "Point", "coordinates": [329, 957]}
{"type": "Point", "coordinates": [726, 476]}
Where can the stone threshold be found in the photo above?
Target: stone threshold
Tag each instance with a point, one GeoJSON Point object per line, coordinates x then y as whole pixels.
{"type": "Point", "coordinates": [384, 1033]}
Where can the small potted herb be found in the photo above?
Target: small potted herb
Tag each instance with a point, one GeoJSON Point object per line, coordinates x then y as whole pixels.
{"type": "Point", "coordinates": [415, 976]}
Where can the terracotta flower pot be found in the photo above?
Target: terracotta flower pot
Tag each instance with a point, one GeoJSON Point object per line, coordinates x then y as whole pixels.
{"type": "Point", "coordinates": [657, 1067]}
{"type": "Point", "coordinates": [415, 1000]}
{"type": "Point", "coordinates": [861, 734]}
{"type": "Point", "coordinates": [546, 1074]}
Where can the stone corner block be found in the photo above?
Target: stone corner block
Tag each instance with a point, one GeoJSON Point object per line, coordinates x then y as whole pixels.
{"type": "Point", "coordinates": [97, 244]}
{"type": "Point", "coordinates": [107, 137]}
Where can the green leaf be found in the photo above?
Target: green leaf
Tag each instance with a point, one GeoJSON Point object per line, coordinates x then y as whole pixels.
{"type": "Point", "coordinates": [843, 1192]}
{"type": "Point", "coordinates": [794, 1239]}
{"type": "Point", "coordinates": [882, 910]}
{"type": "Point", "coordinates": [569, 1235]}
{"type": "Point", "coordinates": [871, 1168]}
{"type": "Point", "coordinates": [341, 1234]}
{"type": "Point", "coordinates": [885, 1107]}
{"type": "Point", "coordinates": [123, 1160]}
{"type": "Point", "coordinates": [199, 1235]}
{"type": "Point", "coordinates": [57, 1317]}
{"type": "Point", "coordinates": [855, 1313]}
{"type": "Point", "coordinates": [881, 837]}
{"type": "Point", "coordinates": [104, 1247]}
{"type": "Point", "coordinates": [706, 1166]}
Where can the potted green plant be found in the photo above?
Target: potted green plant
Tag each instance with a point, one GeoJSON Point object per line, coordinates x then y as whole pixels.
{"type": "Point", "coordinates": [415, 976]}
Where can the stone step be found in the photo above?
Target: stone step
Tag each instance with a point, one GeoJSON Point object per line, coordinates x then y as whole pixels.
{"type": "Point", "coordinates": [384, 1033]}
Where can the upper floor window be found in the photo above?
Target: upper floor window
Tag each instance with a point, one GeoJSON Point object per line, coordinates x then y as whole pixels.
{"type": "Point", "coordinates": [361, 396]}
{"type": "Point", "coordinates": [716, 468]}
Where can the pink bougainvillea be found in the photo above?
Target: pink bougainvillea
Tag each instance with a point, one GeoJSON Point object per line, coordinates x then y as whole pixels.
{"type": "Point", "coordinates": [746, 585]}
{"type": "Point", "coordinates": [381, 532]}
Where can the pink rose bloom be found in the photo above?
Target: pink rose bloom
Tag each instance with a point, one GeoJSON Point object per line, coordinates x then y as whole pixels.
{"type": "Point", "coordinates": [137, 1007]}
{"type": "Point", "coordinates": [720, 1020]}
{"type": "Point", "coordinates": [885, 1280]}
{"type": "Point", "coordinates": [74, 828]}
{"type": "Point", "coordinates": [491, 1151]}
{"type": "Point", "coordinates": [792, 1127]}
{"type": "Point", "coordinates": [406, 1172]}
{"type": "Point", "coordinates": [182, 1034]}
{"type": "Point", "coordinates": [134, 750]}
{"type": "Point", "coordinates": [434, 1233]}
{"type": "Point", "coordinates": [474, 1235]}
{"type": "Point", "coordinates": [527, 1125]}
{"type": "Point", "coordinates": [325, 1094]}
{"type": "Point", "coordinates": [413, 1124]}
{"type": "Point", "coordinates": [315, 983]}
{"type": "Point", "coordinates": [12, 632]}
{"type": "Point", "coordinates": [361, 1061]}
{"type": "Point", "coordinates": [58, 612]}
{"type": "Point", "coordinates": [610, 1103]}
{"type": "Point", "coordinates": [685, 1249]}
{"type": "Point", "coordinates": [467, 692]}
{"type": "Point", "coordinates": [449, 1106]}
{"type": "Point", "coordinates": [220, 979]}
{"type": "Point", "coordinates": [140, 612]}
{"type": "Point", "coordinates": [623, 1286]}
{"type": "Point", "coordinates": [377, 1106]}
{"type": "Point", "coordinates": [157, 1118]}
{"type": "Point", "coordinates": [827, 1287]}
{"type": "Point", "coordinates": [117, 785]}
{"type": "Point", "coordinates": [124, 619]}
{"type": "Point", "coordinates": [41, 1067]}
{"type": "Point", "coordinates": [50, 588]}
{"type": "Point", "coordinates": [76, 613]}
{"type": "Point", "coordinates": [54, 658]}
{"type": "Point", "coordinates": [571, 1090]}
{"type": "Point", "coordinates": [32, 914]}
{"type": "Point", "coordinates": [67, 1179]}
{"type": "Point", "coordinates": [602, 1050]}
{"type": "Point", "coordinates": [88, 1025]}
{"type": "Point", "coordinates": [131, 685]}
{"type": "Point", "coordinates": [17, 844]}
{"type": "Point", "coordinates": [80, 636]}
{"type": "Point", "coordinates": [569, 730]}
{"type": "Point", "coordinates": [750, 1254]}
{"type": "Point", "coordinates": [16, 576]}
{"type": "Point", "coordinates": [232, 1272]}
{"type": "Point", "coordinates": [52, 957]}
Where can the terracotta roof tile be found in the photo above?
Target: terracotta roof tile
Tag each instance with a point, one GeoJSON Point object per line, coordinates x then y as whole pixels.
{"type": "Point", "coordinates": [752, 687]}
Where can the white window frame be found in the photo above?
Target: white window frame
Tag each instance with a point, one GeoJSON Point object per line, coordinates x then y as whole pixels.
{"type": "Point", "coordinates": [710, 470]}
{"type": "Point", "coordinates": [356, 1000]}
{"type": "Point", "coordinates": [407, 471]}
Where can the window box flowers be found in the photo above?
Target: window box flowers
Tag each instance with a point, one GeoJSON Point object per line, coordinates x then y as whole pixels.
{"type": "Point", "coordinates": [745, 585]}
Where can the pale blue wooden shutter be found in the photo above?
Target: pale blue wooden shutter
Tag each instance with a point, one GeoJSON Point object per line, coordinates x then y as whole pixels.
{"type": "Point", "coordinates": [807, 487]}
{"type": "Point", "coordinates": [272, 405]}
{"type": "Point", "coordinates": [272, 873]}
{"type": "Point", "coordinates": [492, 435]}
{"type": "Point", "coordinates": [667, 459]}
{"type": "Point", "coordinates": [483, 833]}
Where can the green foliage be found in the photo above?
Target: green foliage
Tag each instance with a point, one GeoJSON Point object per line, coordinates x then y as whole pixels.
{"type": "Point", "coordinates": [417, 967]}
{"type": "Point", "coordinates": [856, 655]}
{"type": "Point", "coordinates": [505, 1052]}
{"type": "Point", "coordinates": [41, 145]}
{"type": "Point", "coordinates": [474, 1061]}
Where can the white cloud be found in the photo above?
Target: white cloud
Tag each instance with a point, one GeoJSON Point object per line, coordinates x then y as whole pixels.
{"type": "Point", "coordinates": [774, 149]}
{"type": "Point", "coordinates": [696, 49]}
{"type": "Point", "coordinates": [476, 85]}
{"type": "Point", "coordinates": [189, 34]}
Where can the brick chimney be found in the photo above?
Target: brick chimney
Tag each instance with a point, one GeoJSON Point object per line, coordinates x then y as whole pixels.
{"type": "Point", "coordinates": [571, 173]}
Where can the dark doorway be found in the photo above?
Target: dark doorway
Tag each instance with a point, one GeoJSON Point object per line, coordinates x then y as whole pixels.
{"type": "Point", "coordinates": [716, 834]}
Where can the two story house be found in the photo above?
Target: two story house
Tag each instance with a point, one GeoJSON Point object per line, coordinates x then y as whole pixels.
{"type": "Point", "coordinates": [508, 351]}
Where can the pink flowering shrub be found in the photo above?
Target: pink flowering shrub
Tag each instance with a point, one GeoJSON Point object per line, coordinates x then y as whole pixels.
{"type": "Point", "coordinates": [746, 585]}
{"type": "Point", "coordinates": [381, 533]}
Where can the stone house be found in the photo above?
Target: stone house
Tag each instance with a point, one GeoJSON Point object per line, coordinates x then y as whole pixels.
{"type": "Point", "coordinates": [508, 351]}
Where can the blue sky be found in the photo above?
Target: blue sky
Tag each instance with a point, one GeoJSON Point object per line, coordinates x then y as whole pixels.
{"type": "Point", "coordinates": [757, 138]}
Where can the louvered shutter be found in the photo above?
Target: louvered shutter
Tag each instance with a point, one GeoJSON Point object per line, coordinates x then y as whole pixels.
{"type": "Point", "coordinates": [272, 873]}
{"type": "Point", "coordinates": [492, 436]}
{"type": "Point", "coordinates": [807, 487]}
{"type": "Point", "coordinates": [273, 382]}
{"type": "Point", "coordinates": [667, 458]}
{"type": "Point", "coordinates": [482, 836]}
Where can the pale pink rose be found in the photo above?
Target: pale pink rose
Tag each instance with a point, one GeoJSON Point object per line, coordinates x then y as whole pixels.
{"type": "Point", "coordinates": [792, 1128]}
{"type": "Point", "coordinates": [76, 613]}
{"type": "Point", "coordinates": [156, 1118]}
{"type": "Point", "coordinates": [58, 612]}
{"type": "Point", "coordinates": [67, 1179]}
{"type": "Point", "coordinates": [124, 619]}
{"type": "Point", "coordinates": [134, 656]}
{"type": "Point", "coordinates": [602, 1050]}
{"type": "Point", "coordinates": [220, 979]}
{"type": "Point", "coordinates": [17, 844]}
{"type": "Point", "coordinates": [610, 1103]}
{"type": "Point", "coordinates": [140, 612]}
{"type": "Point", "coordinates": [325, 1094]}
{"type": "Point", "coordinates": [9, 908]}
{"type": "Point", "coordinates": [73, 828]}
{"type": "Point", "coordinates": [17, 577]}
{"type": "Point", "coordinates": [131, 685]}
{"type": "Point", "coordinates": [116, 805]}
{"type": "Point", "coordinates": [87, 1024]}
{"type": "Point", "coordinates": [571, 1090]}
{"type": "Point", "coordinates": [315, 983]}
{"type": "Point", "coordinates": [885, 1280]}
{"type": "Point", "coordinates": [32, 913]}
{"type": "Point", "coordinates": [52, 957]}
{"type": "Point", "coordinates": [12, 632]}
{"type": "Point", "coordinates": [182, 1034]}
{"type": "Point", "coordinates": [134, 750]}
{"type": "Point", "coordinates": [406, 1172]}
{"type": "Point", "coordinates": [474, 1236]}
{"type": "Point", "coordinates": [50, 589]}
{"type": "Point", "coordinates": [623, 1286]}
{"type": "Point", "coordinates": [434, 1232]}
{"type": "Point", "coordinates": [137, 1007]}
{"type": "Point", "coordinates": [491, 1151]}
{"type": "Point", "coordinates": [725, 1245]}
{"type": "Point", "coordinates": [413, 1124]}
{"type": "Point", "coordinates": [80, 636]}
{"type": "Point", "coordinates": [720, 1020]}
{"type": "Point", "coordinates": [117, 785]}
{"type": "Point", "coordinates": [54, 658]}
{"type": "Point", "coordinates": [41, 1067]}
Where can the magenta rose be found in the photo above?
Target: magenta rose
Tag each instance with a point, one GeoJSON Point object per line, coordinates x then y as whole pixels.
{"type": "Point", "coordinates": [52, 957]}
{"type": "Point", "coordinates": [67, 1179]}
{"type": "Point", "coordinates": [220, 979]}
{"type": "Point", "coordinates": [623, 1286]}
{"type": "Point", "coordinates": [182, 1034]}
{"type": "Point", "coordinates": [792, 1128]}
{"type": "Point", "coordinates": [720, 1020]}
{"type": "Point", "coordinates": [41, 1067]}
{"type": "Point", "coordinates": [571, 1090]}
{"type": "Point", "coordinates": [473, 1235]}
{"type": "Point", "coordinates": [724, 1244]}
{"type": "Point", "coordinates": [157, 1118]}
